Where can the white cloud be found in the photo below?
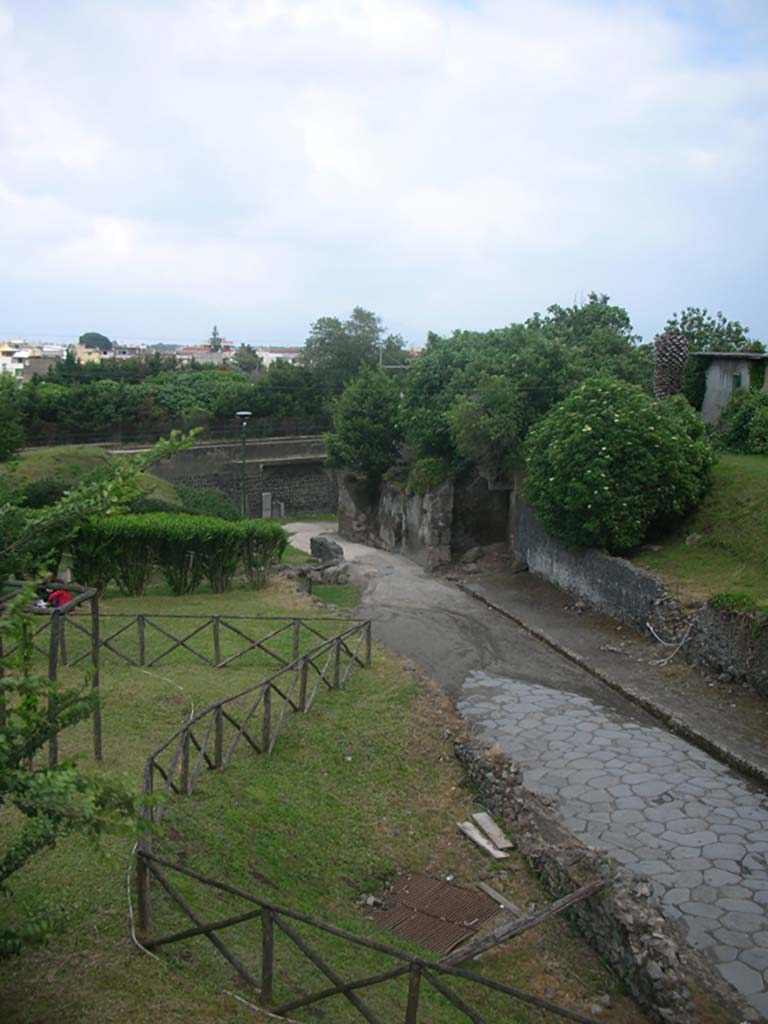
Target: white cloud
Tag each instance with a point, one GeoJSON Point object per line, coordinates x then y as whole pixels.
{"type": "Point", "coordinates": [444, 163]}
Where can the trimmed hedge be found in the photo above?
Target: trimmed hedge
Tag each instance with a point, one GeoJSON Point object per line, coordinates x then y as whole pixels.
{"type": "Point", "coordinates": [207, 501]}
{"type": "Point", "coordinates": [185, 548]}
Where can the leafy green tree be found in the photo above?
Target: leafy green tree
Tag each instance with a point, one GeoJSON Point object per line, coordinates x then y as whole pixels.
{"type": "Point", "coordinates": [287, 391]}
{"type": "Point", "coordinates": [462, 390]}
{"type": "Point", "coordinates": [336, 351]}
{"type": "Point", "coordinates": [92, 339]}
{"type": "Point", "coordinates": [12, 434]}
{"type": "Point", "coordinates": [248, 360]}
{"type": "Point", "coordinates": [485, 425]}
{"type": "Point", "coordinates": [214, 342]}
{"type": "Point", "coordinates": [743, 426]}
{"type": "Point", "coordinates": [609, 464]}
{"type": "Point", "coordinates": [52, 802]}
{"type": "Point", "coordinates": [366, 436]}
{"type": "Point", "coordinates": [707, 333]}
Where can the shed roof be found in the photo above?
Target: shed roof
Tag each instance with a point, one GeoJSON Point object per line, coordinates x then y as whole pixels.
{"type": "Point", "coordinates": [732, 355]}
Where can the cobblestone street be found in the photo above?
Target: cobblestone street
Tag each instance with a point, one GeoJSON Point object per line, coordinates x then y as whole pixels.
{"type": "Point", "coordinates": [663, 808]}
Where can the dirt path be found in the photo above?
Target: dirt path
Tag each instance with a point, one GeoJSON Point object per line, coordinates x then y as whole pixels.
{"type": "Point", "coordinates": [614, 775]}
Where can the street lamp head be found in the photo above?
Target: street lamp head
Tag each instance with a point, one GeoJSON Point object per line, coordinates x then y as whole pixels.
{"type": "Point", "coordinates": [244, 415]}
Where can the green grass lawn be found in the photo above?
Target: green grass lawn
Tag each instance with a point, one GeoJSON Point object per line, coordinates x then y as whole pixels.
{"type": "Point", "coordinates": [732, 524]}
{"type": "Point", "coordinates": [361, 787]}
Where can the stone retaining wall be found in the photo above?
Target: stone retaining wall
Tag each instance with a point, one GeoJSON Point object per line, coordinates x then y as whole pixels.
{"type": "Point", "coordinates": [624, 922]}
{"type": "Point", "coordinates": [729, 643]}
{"type": "Point", "coordinates": [290, 468]}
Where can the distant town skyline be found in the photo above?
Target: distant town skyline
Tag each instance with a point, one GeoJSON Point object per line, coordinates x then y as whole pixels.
{"type": "Point", "coordinates": [448, 164]}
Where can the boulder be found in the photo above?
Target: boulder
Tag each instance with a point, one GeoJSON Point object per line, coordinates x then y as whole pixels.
{"type": "Point", "coordinates": [325, 549]}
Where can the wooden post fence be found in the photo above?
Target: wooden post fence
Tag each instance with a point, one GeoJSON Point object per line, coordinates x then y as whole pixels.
{"type": "Point", "coordinates": [96, 677]}
{"type": "Point", "coordinates": [140, 630]}
{"type": "Point", "coordinates": [412, 1006]}
{"type": "Point", "coordinates": [144, 846]}
{"type": "Point", "coordinates": [267, 956]}
{"type": "Point", "coordinates": [53, 666]}
{"type": "Point", "coordinates": [216, 640]}
{"type": "Point", "coordinates": [266, 728]}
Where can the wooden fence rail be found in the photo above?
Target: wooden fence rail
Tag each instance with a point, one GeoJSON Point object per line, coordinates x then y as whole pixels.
{"type": "Point", "coordinates": [73, 640]}
{"type": "Point", "coordinates": [417, 971]}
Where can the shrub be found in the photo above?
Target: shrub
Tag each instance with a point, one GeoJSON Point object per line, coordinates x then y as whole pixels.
{"type": "Point", "coordinates": [743, 425]}
{"type": "Point", "coordinates": [186, 549]}
{"type": "Point", "coordinates": [119, 548]}
{"type": "Point", "coordinates": [45, 492]}
{"type": "Point", "coordinates": [427, 473]}
{"type": "Point", "coordinates": [263, 542]}
{"type": "Point", "coordinates": [207, 501]}
{"type": "Point", "coordinates": [609, 464]}
{"type": "Point", "coordinates": [146, 503]}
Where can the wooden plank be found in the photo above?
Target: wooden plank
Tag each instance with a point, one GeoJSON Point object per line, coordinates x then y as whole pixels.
{"type": "Point", "coordinates": [473, 832]}
{"type": "Point", "coordinates": [492, 830]}
{"type": "Point", "coordinates": [501, 900]}
{"type": "Point", "coordinates": [511, 929]}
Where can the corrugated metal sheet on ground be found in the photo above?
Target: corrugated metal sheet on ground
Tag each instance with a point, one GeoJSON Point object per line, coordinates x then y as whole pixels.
{"type": "Point", "coordinates": [438, 915]}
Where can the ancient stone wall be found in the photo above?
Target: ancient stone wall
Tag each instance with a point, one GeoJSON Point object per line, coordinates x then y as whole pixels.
{"type": "Point", "coordinates": [387, 517]}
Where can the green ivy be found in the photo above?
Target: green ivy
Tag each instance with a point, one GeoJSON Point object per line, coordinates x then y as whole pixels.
{"type": "Point", "coordinates": [427, 473]}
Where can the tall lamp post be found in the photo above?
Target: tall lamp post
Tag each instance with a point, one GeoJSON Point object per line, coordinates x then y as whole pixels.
{"type": "Point", "coordinates": [244, 415]}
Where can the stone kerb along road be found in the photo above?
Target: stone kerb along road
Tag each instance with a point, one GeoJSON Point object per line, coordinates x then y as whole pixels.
{"type": "Point", "coordinates": [667, 811]}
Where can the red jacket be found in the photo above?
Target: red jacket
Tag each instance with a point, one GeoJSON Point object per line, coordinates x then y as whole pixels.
{"type": "Point", "coordinates": [58, 598]}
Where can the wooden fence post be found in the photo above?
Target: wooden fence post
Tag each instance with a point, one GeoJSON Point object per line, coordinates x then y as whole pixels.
{"type": "Point", "coordinates": [412, 1006]}
{"type": "Point", "coordinates": [96, 678]}
{"type": "Point", "coordinates": [218, 738]}
{"type": "Point", "coordinates": [266, 725]}
{"type": "Point", "coordinates": [53, 665]}
{"type": "Point", "coordinates": [368, 644]}
{"type": "Point", "coordinates": [2, 673]}
{"type": "Point", "coordinates": [62, 640]}
{"type": "Point", "coordinates": [296, 638]}
{"type": "Point", "coordinates": [142, 643]}
{"type": "Point", "coordinates": [303, 684]}
{"type": "Point", "coordinates": [216, 640]}
{"type": "Point", "coordinates": [336, 662]}
{"type": "Point", "coordinates": [184, 781]}
{"type": "Point", "coordinates": [143, 894]}
{"type": "Point", "coordinates": [267, 956]}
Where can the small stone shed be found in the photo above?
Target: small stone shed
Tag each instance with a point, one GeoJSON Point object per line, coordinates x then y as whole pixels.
{"type": "Point", "coordinates": [726, 373]}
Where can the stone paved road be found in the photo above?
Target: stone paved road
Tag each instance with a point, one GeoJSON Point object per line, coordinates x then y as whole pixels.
{"type": "Point", "coordinates": [625, 784]}
{"type": "Point", "coordinates": [661, 807]}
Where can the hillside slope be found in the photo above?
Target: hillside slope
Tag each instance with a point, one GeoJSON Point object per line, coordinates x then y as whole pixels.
{"type": "Point", "coordinates": [723, 547]}
{"type": "Point", "coordinates": [69, 463]}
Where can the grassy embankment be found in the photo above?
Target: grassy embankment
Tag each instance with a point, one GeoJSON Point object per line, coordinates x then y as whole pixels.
{"type": "Point", "coordinates": [363, 786]}
{"type": "Point", "coordinates": [69, 463]}
{"type": "Point", "coordinates": [730, 530]}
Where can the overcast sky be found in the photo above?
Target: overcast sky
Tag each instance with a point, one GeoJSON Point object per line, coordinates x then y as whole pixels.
{"type": "Point", "coordinates": [170, 164]}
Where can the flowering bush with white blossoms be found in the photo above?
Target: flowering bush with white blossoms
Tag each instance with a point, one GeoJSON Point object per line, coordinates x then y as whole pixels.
{"type": "Point", "coordinates": [610, 464]}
